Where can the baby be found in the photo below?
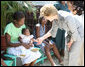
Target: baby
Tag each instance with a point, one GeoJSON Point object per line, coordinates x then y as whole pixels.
{"type": "Point", "coordinates": [25, 37]}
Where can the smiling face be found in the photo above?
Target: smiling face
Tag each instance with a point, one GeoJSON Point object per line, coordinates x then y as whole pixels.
{"type": "Point", "coordinates": [27, 32]}
{"type": "Point", "coordinates": [19, 18]}
{"type": "Point", "coordinates": [21, 22]}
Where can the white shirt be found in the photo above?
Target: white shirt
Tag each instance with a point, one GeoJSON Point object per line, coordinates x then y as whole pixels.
{"type": "Point", "coordinates": [26, 39]}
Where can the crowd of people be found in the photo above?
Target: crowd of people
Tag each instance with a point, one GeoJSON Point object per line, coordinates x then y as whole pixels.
{"type": "Point", "coordinates": [67, 29]}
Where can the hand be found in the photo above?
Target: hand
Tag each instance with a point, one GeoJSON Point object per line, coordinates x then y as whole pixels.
{"type": "Point", "coordinates": [39, 40]}
{"type": "Point", "coordinates": [27, 46]}
{"type": "Point", "coordinates": [31, 45]}
{"type": "Point", "coordinates": [69, 45]}
{"type": "Point", "coordinates": [35, 40]}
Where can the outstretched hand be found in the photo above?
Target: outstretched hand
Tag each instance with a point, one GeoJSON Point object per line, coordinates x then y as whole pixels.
{"type": "Point", "coordinates": [39, 40]}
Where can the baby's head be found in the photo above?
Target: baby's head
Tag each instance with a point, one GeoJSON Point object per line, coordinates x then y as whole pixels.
{"type": "Point", "coordinates": [26, 31]}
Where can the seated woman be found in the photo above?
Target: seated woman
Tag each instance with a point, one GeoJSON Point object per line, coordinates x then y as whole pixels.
{"type": "Point", "coordinates": [12, 32]}
{"type": "Point", "coordinates": [40, 30]}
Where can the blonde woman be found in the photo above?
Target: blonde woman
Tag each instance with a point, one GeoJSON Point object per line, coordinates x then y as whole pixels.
{"type": "Point", "coordinates": [69, 24]}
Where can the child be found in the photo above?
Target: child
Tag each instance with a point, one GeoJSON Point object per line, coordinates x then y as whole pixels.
{"type": "Point", "coordinates": [39, 31]}
{"type": "Point", "coordinates": [25, 37]}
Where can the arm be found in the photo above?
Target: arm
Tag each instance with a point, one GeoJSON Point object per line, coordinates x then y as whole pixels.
{"type": "Point", "coordinates": [48, 34]}
{"type": "Point", "coordinates": [40, 39]}
{"type": "Point", "coordinates": [8, 41]}
{"type": "Point", "coordinates": [73, 28]}
{"type": "Point", "coordinates": [9, 44]}
{"type": "Point", "coordinates": [70, 44]}
{"type": "Point", "coordinates": [33, 40]}
{"type": "Point", "coordinates": [20, 39]}
{"type": "Point", "coordinates": [37, 33]}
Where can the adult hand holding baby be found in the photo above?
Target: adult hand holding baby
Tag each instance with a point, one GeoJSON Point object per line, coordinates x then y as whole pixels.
{"type": "Point", "coordinates": [27, 46]}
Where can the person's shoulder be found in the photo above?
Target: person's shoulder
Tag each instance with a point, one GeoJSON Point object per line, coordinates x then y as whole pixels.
{"type": "Point", "coordinates": [63, 13]}
{"type": "Point", "coordinates": [61, 18]}
{"type": "Point", "coordinates": [8, 28]}
{"type": "Point", "coordinates": [69, 16]}
{"type": "Point", "coordinates": [9, 25]}
{"type": "Point", "coordinates": [70, 19]}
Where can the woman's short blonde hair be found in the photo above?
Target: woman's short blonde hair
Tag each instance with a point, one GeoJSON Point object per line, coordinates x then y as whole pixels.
{"type": "Point", "coordinates": [48, 9]}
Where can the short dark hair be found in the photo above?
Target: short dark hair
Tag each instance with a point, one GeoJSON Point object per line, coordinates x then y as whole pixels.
{"type": "Point", "coordinates": [18, 15]}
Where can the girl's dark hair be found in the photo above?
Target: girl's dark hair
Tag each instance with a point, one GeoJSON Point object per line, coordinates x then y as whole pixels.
{"type": "Point", "coordinates": [40, 19]}
{"type": "Point", "coordinates": [18, 15]}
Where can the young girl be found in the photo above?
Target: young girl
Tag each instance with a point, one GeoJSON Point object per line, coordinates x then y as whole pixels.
{"type": "Point", "coordinates": [46, 45]}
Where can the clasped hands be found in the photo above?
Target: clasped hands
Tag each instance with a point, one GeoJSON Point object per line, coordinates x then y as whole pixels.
{"type": "Point", "coordinates": [39, 40]}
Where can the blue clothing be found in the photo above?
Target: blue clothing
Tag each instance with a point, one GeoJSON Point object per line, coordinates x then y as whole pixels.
{"type": "Point", "coordinates": [42, 31]}
{"type": "Point", "coordinates": [62, 7]}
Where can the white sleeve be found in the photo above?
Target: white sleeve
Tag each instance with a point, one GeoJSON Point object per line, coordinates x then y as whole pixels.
{"type": "Point", "coordinates": [73, 28]}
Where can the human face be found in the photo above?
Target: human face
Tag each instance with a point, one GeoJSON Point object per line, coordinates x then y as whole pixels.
{"type": "Point", "coordinates": [21, 22]}
{"type": "Point", "coordinates": [27, 32]}
{"type": "Point", "coordinates": [44, 21]}
{"type": "Point", "coordinates": [51, 17]}
{"type": "Point", "coordinates": [74, 12]}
